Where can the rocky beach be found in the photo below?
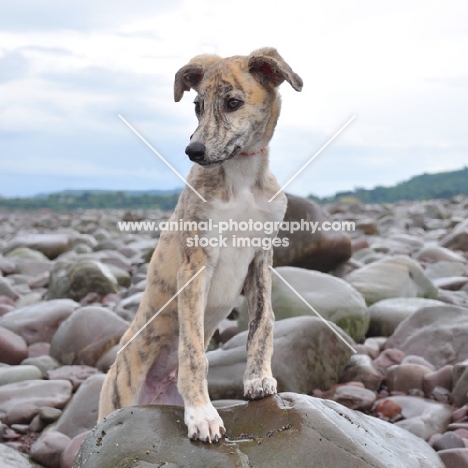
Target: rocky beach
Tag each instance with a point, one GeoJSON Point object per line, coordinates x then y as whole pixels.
{"type": "Point", "coordinates": [382, 384]}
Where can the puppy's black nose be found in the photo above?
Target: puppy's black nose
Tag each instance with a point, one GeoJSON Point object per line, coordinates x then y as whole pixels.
{"type": "Point", "coordinates": [195, 151]}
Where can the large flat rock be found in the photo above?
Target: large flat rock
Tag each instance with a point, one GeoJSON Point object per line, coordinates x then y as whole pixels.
{"type": "Point", "coordinates": [285, 430]}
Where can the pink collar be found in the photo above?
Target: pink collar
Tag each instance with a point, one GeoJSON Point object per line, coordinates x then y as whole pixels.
{"type": "Point", "coordinates": [254, 153]}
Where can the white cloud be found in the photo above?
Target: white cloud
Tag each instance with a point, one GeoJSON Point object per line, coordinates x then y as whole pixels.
{"type": "Point", "coordinates": [68, 70]}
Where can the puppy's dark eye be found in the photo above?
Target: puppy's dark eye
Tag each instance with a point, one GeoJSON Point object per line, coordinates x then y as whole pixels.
{"type": "Point", "coordinates": [233, 104]}
{"type": "Point", "coordinates": [197, 107]}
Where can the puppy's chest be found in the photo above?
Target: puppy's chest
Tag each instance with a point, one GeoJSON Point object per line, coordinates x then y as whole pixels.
{"type": "Point", "coordinates": [240, 230]}
{"type": "Point", "coordinates": [245, 215]}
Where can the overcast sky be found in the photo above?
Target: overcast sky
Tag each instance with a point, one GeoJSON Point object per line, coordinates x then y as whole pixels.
{"type": "Point", "coordinates": [68, 68]}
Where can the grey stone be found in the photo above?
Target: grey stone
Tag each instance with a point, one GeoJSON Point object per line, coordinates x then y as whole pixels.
{"type": "Point", "coordinates": [21, 401]}
{"type": "Point", "coordinates": [7, 289]}
{"type": "Point", "coordinates": [353, 397]}
{"type": "Point", "coordinates": [422, 417]}
{"type": "Point", "coordinates": [28, 299]}
{"type": "Point", "coordinates": [7, 266]}
{"type": "Point", "coordinates": [24, 254]}
{"type": "Point", "coordinates": [442, 377]}
{"type": "Point", "coordinates": [35, 267]}
{"type": "Point", "coordinates": [75, 280]}
{"type": "Point", "coordinates": [44, 363]}
{"type": "Point", "coordinates": [456, 240]}
{"type": "Point", "coordinates": [49, 414]}
{"type": "Point", "coordinates": [285, 430]}
{"type": "Point", "coordinates": [112, 257]}
{"type": "Point", "coordinates": [449, 440]}
{"type": "Point", "coordinates": [126, 308]}
{"type": "Point", "coordinates": [438, 334]}
{"type": "Point", "coordinates": [51, 245]}
{"type": "Point", "coordinates": [413, 359]}
{"type": "Point", "coordinates": [434, 253]}
{"type": "Point", "coordinates": [86, 335]}
{"type": "Point", "coordinates": [48, 448]}
{"type": "Point", "coordinates": [307, 355]}
{"type": "Point", "coordinates": [38, 322]}
{"type": "Point", "coordinates": [452, 283]}
{"type": "Point", "coordinates": [387, 314]}
{"type": "Point", "coordinates": [397, 276]}
{"type": "Point", "coordinates": [444, 269]}
{"type": "Point", "coordinates": [333, 298]}
{"type": "Point", "coordinates": [322, 250]}
{"type": "Point", "coordinates": [75, 374]}
{"type": "Point", "coordinates": [460, 383]}
{"type": "Point", "coordinates": [82, 412]}
{"type": "Point", "coordinates": [14, 374]}
{"type": "Point", "coordinates": [459, 369]}
{"type": "Point", "coordinates": [122, 276]}
{"type": "Point", "coordinates": [10, 458]}
{"type": "Point", "coordinates": [360, 368]}
{"type": "Point", "coordinates": [406, 377]}
{"type": "Point", "coordinates": [107, 359]}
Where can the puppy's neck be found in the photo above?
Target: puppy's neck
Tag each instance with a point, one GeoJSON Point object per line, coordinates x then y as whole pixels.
{"type": "Point", "coordinates": [245, 172]}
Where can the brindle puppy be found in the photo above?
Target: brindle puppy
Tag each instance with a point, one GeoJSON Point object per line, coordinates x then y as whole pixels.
{"type": "Point", "coordinates": [237, 106]}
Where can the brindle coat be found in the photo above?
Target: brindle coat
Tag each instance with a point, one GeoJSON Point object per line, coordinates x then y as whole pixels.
{"type": "Point", "coordinates": [237, 106]}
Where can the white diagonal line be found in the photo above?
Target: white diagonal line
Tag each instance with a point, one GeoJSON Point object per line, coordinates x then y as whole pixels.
{"type": "Point", "coordinates": [157, 154]}
{"type": "Point", "coordinates": [314, 311]}
{"type": "Point", "coordinates": [161, 309]}
{"type": "Point", "coordinates": [312, 158]}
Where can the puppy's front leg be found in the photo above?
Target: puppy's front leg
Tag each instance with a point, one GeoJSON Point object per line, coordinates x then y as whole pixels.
{"type": "Point", "coordinates": [258, 379]}
{"type": "Point", "coordinates": [201, 417]}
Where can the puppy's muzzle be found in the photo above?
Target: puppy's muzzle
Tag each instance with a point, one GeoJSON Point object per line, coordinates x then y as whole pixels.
{"type": "Point", "coordinates": [196, 152]}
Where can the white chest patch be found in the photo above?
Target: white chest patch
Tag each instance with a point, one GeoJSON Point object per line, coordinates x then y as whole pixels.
{"type": "Point", "coordinates": [242, 226]}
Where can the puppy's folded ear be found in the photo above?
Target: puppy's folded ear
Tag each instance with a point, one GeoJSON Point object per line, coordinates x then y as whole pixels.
{"type": "Point", "coordinates": [190, 75]}
{"type": "Point", "coordinates": [269, 69]}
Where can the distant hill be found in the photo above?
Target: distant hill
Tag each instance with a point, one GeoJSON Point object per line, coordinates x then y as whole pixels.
{"type": "Point", "coordinates": [103, 199]}
{"type": "Point", "coordinates": [421, 187]}
{"type": "Point", "coordinates": [137, 193]}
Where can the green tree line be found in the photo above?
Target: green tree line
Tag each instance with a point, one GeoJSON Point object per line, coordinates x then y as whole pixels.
{"type": "Point", "coordinates": [92, 199]}
{"type": "Point", "coordinates": [422, 187]}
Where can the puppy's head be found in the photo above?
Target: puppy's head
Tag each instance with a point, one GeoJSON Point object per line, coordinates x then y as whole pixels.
{"type": "Point", "coordinates": [237, 104]}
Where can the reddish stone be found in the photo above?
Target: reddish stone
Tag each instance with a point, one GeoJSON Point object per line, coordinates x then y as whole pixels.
{"type": "Point", "coordinates": [5, 308]}
{"type": "Point", "coordinates": [75, 374]}
{"type": "Point", "coordinates": [13, 348]}
{"type": "Point", "coordinates": [457, 425]}
{"type": "Point", "coordinates": [442, 377]}
{"type": "Point", "coordinates": [91, 298]}
{"type": "Point", "coordinates": [359, 243]}
{"type": "Point", "coordinates": [405, 377]}
{"type": "Point", "coordinates": [110, 298]}
{"type": "Point", "coordinates": [455, 458]}
{"type": "Point", "coordinates": [68, 455]}
{"type": "Point", "coordinates": [48, 448]}
{"type": "Point", "coordinates": [387, 408]}
{"type": "Point", "coordinates": [463, 433]}
{"type": "Point", "coordinates": [6, 300]}
{"type": "Point", "coordinates": [460, 413]}
{"type": "Point", "coordinates": [389, 357]}
{"type": "Point", "coordinates": [360, 349]}
{"type": "Point", "coordinates": [39, 349]}
{"type": "Point", "coordinates": [433, 439]}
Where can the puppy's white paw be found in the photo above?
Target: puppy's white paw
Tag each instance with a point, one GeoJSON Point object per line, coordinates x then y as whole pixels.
{"type": "Point", "coordinates": [204, 423]}
{"type": "Point", "coordinates": [259, 388]}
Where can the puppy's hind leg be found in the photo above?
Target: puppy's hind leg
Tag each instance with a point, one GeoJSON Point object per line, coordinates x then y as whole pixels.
{"type": "Point", "coordinates": [258, 379]}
